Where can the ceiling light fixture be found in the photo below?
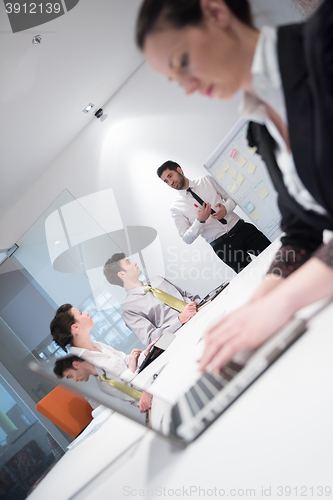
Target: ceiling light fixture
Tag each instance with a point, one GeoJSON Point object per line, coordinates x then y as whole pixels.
{"type": "Point", "coordinates": [88, 108]}
{"type": "Point", "coordinates": [37, 40]}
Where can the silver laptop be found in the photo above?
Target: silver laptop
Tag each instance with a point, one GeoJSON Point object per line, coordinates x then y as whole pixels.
{"type": "Point", "coordinates": [212, 394]}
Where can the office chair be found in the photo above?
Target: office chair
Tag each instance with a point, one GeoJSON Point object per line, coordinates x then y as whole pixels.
{"type": "Point", "coordinates": [67, 410]}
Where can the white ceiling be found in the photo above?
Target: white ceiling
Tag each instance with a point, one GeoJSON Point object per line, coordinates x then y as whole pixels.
{"type": "Point", "coordinates": [85, 56]}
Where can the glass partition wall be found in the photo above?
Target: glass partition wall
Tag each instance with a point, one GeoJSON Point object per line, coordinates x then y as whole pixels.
{"type": "Point", "coordinates": [27, 449]}
{"type": "Point", "coordinates": [59, 260]}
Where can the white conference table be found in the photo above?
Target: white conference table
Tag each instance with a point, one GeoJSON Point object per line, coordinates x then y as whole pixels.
{"type": "Point", "coordinates": [275, 440]}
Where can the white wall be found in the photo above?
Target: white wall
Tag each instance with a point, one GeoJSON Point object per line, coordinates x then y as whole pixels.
{"type": "Point", "coordinates": [148, 122]}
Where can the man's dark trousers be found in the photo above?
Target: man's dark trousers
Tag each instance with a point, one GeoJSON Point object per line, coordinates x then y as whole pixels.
{"type": "Point", "coordinates": [234, 249]}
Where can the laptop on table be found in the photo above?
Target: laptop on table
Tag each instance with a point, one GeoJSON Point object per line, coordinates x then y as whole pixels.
{"type": "Point", "coordinates": [207, 397]}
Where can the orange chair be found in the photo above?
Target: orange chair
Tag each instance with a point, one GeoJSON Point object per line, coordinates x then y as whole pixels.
{"type": "Point", "coordinates": [67, 410]}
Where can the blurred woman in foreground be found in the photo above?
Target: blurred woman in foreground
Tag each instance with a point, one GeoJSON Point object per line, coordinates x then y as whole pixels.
{"type": "Point", "coordinates": [286, 75]}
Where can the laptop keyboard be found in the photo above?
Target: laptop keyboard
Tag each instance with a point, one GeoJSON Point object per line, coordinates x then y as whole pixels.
{"type": "Point", "coordinates": [206, 399]}
{"type": "Point", "coordinates": [203, 402]}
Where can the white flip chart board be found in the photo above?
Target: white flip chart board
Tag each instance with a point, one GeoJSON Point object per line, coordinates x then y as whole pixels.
{"type": "Point", "coordinates": [244, 176]}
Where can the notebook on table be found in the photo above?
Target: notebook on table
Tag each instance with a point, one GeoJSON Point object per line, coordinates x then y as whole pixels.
{"type": "Point", "coordinates": [212, 295]}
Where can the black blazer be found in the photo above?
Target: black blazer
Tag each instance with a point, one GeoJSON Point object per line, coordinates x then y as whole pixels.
{"type": "Point", "coordinates": [305, 54]}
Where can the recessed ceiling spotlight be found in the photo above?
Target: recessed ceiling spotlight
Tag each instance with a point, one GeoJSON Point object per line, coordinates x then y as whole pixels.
{"type": "Point", "coordinates": [37, 40]}
{"type": "Point", "coordinates": [88, 108]}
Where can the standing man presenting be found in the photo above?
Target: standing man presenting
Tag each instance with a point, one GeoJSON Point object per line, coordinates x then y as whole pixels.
{"type": "Point", "coordinates": [203, 208]}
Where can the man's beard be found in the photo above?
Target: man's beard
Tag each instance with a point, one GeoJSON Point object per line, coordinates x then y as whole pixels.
{"type": "Point", "coordinates": [181, 180]}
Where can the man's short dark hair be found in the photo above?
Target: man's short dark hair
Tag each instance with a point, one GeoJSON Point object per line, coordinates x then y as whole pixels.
{"type": "Point", "coordinates": [155, 14]}
{"type": "Point", "coordinates": [65, 363]}
{"type": "Point", "coordinates": [112, 267]}
{"type": "Point", "coordinates": [61, 326]}
{"type": "Point", "coordinates": [171, 165]}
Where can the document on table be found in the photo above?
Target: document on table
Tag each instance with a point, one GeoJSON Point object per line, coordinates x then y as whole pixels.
{"type": "Point", "coordinates": [100, 415]}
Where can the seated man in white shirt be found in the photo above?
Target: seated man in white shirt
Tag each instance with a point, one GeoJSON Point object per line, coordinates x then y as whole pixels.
{"type": "Point", "coordinates": [145, 314]}
{"type": "Point", "coordinates": [79, 370]}
{"type": "Point", "coordinates": [231, 238]}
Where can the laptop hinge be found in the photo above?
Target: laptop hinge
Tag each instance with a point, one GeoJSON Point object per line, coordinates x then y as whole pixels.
{"type": "Point", "coordinates": [5, 255]}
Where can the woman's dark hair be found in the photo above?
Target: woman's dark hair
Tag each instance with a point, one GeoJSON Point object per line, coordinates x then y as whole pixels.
{"type": "Point", "coordinates": [61, 326]}
{"type": "Point", "coordinates": [180, 13]}
{"type": "Point", "coordinates": [65, 363]}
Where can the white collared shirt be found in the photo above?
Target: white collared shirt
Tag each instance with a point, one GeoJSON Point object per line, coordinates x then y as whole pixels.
{"type": "Point", "coordinates": [184, 211]}
{"type": "Point", "coordinates": [267, 84]}
{"type": "Point", "coordinates": [109, 359]}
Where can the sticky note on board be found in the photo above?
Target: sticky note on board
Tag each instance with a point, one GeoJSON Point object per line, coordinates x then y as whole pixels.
{"type": "Point", "coordinates": [233, 153]}
{"type": "Point", "coordinates": [252, 151]}
{"type": "Point", "coordinates": [249, 207]}
{"type": "Point", "coordinates": [232, 172]}
{"type": "Point", "coordinates": [224, 166]}
{"type": "Point", "coordinates": [239, 179]}
{"type": "Point", "coordinates": [251, 168]}
{"type": "Point", "coordinates": [262, 193]}
{"type": "Point", "coordinates": [219, 173]}
{"type": "Point", "coordinates": [255, 214]}
{"type": "Point", "coordinates": [233, 188]}
{"type": "Point", "coordinates": [241, 161]}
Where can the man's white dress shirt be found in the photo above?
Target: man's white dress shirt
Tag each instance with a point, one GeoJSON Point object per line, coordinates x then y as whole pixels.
{"type": "Point", "coordinates": [149, 317]}
{"type": "Point", "coordinates": [184, 211]}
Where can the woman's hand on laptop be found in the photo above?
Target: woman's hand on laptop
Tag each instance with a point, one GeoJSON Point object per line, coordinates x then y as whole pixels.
{"type": "Point", "coordinates": [255, 322]}
{"type": "Point", "coordinates": [245, 328]}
